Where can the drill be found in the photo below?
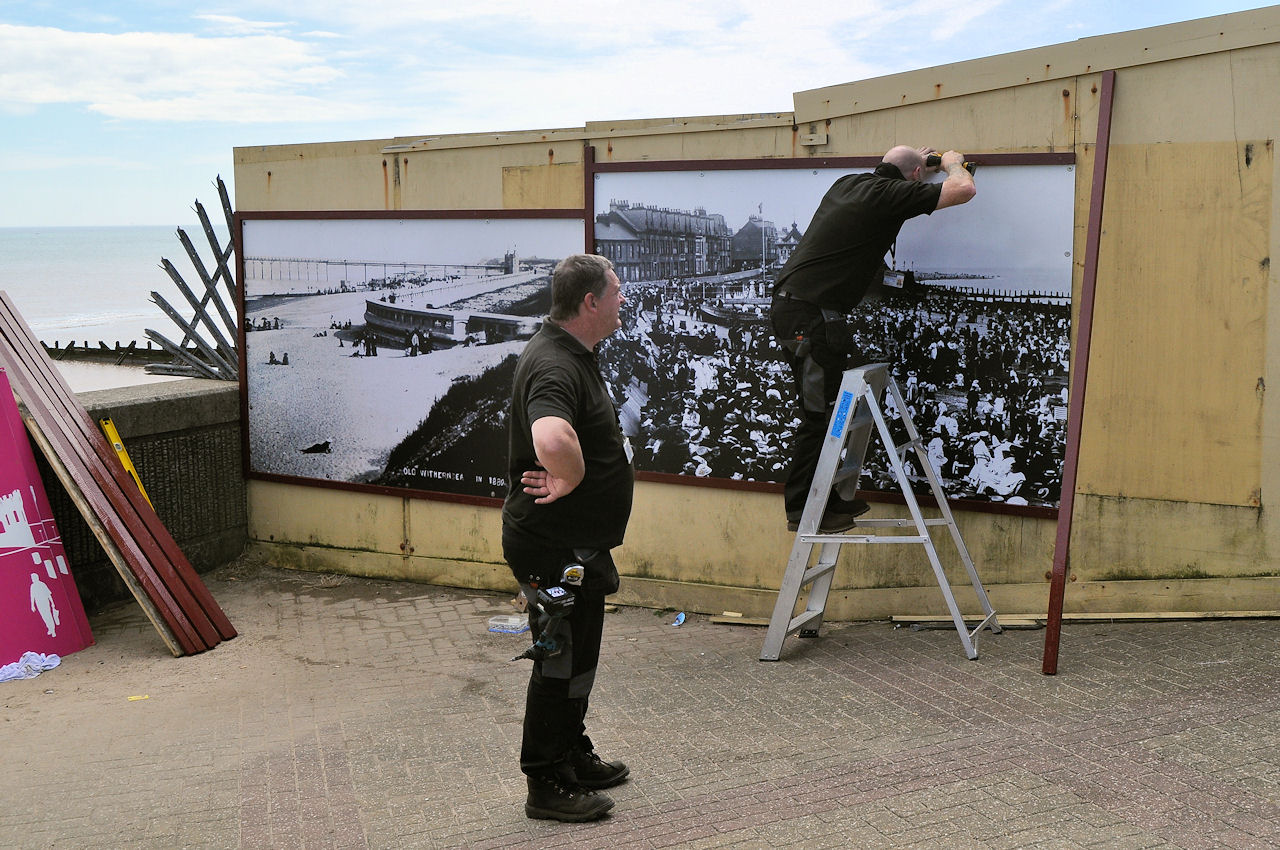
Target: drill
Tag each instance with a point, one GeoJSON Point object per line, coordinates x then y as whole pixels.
{"type": "Point", "coordinates": [554, 603]}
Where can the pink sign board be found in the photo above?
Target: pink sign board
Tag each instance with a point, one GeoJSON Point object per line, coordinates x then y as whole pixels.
{"type": "Point", "coordinates": [40, 608]}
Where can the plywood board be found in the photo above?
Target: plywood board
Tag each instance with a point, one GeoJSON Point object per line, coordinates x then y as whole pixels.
{"type": "Point", "coordinates": [1175, 391]}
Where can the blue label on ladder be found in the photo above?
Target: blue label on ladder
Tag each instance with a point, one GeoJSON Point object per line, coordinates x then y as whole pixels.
{"type": "Point", "coordinates": [842, 413]}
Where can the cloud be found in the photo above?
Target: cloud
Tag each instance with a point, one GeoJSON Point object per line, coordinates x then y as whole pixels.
{"type": "Point", "coordinates": [961, 17]}
{"type": "Point", "coordinates": [484, 64]}
{"type": "Point", "coordinates": [166, 76]}
{"type": "Point", "coordinates": [232, 25]}
{"type": "Point", "coordinates": [669, 60]}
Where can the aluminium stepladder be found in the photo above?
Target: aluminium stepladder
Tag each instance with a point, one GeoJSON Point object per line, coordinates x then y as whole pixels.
{"type": "Point", "coordinates": [857, 416]}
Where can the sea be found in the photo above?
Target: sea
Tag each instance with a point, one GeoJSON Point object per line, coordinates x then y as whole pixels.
{"type": "Point", "coordinates": [94, 284]}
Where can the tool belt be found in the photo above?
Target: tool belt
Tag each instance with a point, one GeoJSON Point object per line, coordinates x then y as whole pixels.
{"type": "Point", "coordinates": [831, 325]}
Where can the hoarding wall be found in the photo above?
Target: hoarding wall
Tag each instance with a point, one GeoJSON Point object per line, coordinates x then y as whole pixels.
{"type": "Point", "coordinates": [1176, 459]}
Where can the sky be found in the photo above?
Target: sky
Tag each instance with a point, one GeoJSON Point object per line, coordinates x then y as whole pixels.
{"type": "Point", "coordinates": [124, 113]}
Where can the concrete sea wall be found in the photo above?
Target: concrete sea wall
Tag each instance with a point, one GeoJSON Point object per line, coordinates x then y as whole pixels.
{"type": "Point", "coordinates": [184, 440]}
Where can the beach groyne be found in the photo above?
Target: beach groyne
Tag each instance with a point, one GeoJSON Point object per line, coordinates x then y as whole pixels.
{"type": "Point", "coordinates": [184, 439]}
{"type": "Point", "coordinates": [133, 353]}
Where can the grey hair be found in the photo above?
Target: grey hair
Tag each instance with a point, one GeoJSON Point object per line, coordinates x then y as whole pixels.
{"type": "Point", "coordinates": [573, 278]}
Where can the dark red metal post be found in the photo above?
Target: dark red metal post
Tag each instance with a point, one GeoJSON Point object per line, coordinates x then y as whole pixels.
{"type": "Point", "coordinates": [589, 198]}
{"type": "Point", "coordinates": [1080, 374]}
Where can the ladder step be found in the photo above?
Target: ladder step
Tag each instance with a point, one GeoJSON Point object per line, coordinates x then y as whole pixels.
{"type": "Point", "coordinates": [801, 620]}
{"type": "Point", "coordinates": [861, 418]}
{"type": "Point", "coordinates": [816, 572]}
{"type": "Point", "coordinates": [860, 538]}
{"type": "Point", "coordinates": [845, 474]}
{"type": "Point", "coordinates": [898, 523]}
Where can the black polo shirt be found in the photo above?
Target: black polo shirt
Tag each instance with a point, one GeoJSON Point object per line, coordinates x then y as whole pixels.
{"type": "Point", "coordinates": [856, 223]}
{"type": "Point", "coordinates": [557, 376]}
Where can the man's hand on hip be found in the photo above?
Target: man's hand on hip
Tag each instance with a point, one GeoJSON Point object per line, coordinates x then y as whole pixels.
{"type": "Point", "coordinates": [545, 486]}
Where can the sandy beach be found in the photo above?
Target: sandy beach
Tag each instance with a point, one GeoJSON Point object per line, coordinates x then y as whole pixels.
{"type": "Point", "coordinates": [361, 406]}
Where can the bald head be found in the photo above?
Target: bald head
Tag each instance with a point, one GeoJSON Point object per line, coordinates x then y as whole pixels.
{"type": "Point", "coordinates": [907, 160]}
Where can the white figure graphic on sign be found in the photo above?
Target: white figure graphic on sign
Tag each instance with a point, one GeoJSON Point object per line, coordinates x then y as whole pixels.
{"type": "Point", "coordinates": [15, 531]}
{"type": "Point", "coordinates": [42, 599]}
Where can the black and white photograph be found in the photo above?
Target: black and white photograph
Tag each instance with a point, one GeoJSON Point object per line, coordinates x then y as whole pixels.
{"type": "Point", "coordinates": [977, 332]}
{"type": "Point", "coordinates": [380, 351]}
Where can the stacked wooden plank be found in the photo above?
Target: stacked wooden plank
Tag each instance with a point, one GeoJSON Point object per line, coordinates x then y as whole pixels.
{"type": "Point", "coordinates": [141, 548]}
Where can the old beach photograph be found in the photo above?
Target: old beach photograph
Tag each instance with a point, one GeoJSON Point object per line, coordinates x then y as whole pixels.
{"type": "Point", "coordinates": [978, 332]}
{"type": "Point", "coordinates": [380, 351]}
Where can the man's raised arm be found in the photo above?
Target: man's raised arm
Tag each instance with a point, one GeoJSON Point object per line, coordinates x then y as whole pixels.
{"type": "Point", "coordinates": [959, 187]}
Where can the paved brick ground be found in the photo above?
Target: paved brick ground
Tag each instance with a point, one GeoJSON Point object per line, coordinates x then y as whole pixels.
{"type": "Point", "coordinates": [365, 714]}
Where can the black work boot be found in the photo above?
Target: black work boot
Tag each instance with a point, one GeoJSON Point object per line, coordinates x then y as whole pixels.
{"type": "Point", "coordinates": [552, 799]}
{"type": "Point", "coordinates": [594, 772]}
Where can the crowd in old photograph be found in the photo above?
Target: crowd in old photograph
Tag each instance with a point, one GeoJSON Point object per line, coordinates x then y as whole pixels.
{"type": "Point", "coordinates": [702, 390]}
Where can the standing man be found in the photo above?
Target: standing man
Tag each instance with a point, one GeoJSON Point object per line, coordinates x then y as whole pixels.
{"type": "Point", "coordinates": [570, 480]}
{"type": "Point", "coordinates": [840, 256]}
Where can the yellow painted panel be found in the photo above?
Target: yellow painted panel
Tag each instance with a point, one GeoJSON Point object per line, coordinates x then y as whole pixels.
{"type": "Point", "coordinates": [1035, 118]}
{"type": "Point", "coordinates": [324, 516]}
{"type": "Point", "coordinates": [768, 141]}
{"type": "Point", "coordinates": [336, 176]}
{"type": "Point", "coordinates": [1121, 539]}
{"type": "Point", "coordinates": [737, 144]}
{"type": "Point", "coordinates": [524, 176]}
{"type": "Point", "coordinates": [1146, 47]}
{"type": "Point", "coordinates": [438, 529]}
{"type": "Point", "coordinates": [550, 186]}
{"type": "Point", "coordinates": [690, 124]}
{"type": "Point", "coordinates": [457, 179]}
{"type": "Point", "coordinates": [1205, 107]}
{"type": "Point", "coordinates": [1257, 94]}
{"type": "Point", "coordinates": [740, 539]}
{"type": "Point", "coordinates": [1174, 398]}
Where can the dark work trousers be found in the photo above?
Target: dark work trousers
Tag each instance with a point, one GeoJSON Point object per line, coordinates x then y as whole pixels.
{"type": "Point", "coordinates": [560, 686]}
{"type": "Point", "coordinates": [818, 353]}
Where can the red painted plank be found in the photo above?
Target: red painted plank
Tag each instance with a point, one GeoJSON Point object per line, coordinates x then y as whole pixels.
{"type": "Point", "coordinates": [105, 497]}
